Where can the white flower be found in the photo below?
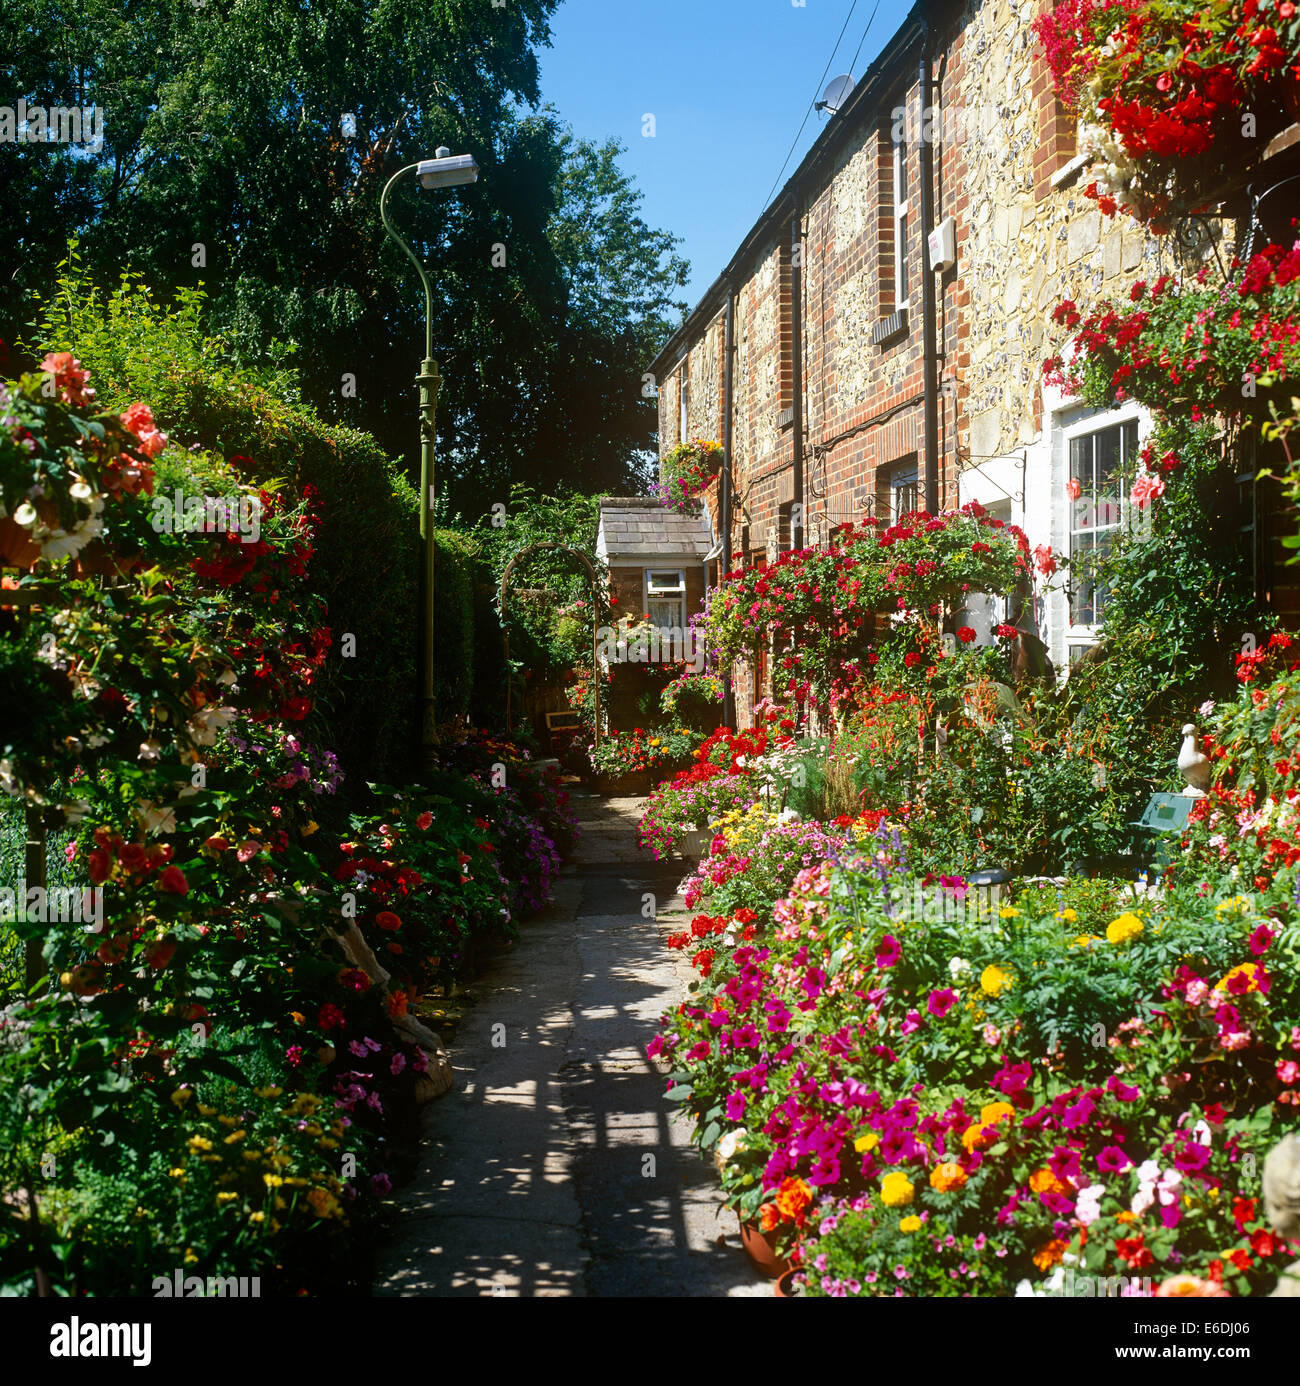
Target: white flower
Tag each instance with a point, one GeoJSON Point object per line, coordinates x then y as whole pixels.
{"type": "Point", "coordinates": [149, 750]}
{"type": "Point", "coordinates": [25, 515]}
{"type": "Point", "coordinates": [958, 967]}
{"type": "Point", "coordinates": [730, 1144]}
{"type": "Point", "coordinates": [155, 819]}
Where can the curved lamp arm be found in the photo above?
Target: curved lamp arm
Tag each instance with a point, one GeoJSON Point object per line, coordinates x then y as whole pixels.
{"type": "Point", "coordinates": [410, 255]}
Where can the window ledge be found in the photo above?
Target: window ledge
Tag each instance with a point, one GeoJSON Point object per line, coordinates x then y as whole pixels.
{"type": "Point", "coordinates": [1069, 171]}
{"type": "Point", "coordinates": [889, 328]}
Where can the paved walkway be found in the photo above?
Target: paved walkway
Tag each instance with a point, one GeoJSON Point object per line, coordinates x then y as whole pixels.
{"type": "Point", "coordinates": [555, 1166]}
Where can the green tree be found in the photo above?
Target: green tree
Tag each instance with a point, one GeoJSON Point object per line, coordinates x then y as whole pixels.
{"type": "Point", "coordinates": [246, 143]}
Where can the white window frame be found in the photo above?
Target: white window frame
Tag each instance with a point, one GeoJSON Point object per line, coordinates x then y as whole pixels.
{"type": "Point", "coordinates": [902, 206]}
{"type": "Point", "coordinates": [683, 411]}
{"type": "Point", "coordinates": [903, 476]}
{"type": "Point", "coordinates": [1078, 633]}
{"type": "Point", "coordinates": [662, 593]}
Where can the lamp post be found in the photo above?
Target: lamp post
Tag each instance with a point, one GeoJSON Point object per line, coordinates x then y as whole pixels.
{"type": "Point", "coordinates": [446, 170]}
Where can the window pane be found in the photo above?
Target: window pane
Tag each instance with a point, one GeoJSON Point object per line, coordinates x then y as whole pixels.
{"type": "Point", "coordinates": [1082, 611]}
{"type": "Point", "coordinates": [666, 613]}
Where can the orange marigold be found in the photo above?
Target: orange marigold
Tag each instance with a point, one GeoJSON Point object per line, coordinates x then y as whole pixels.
{"type": "Point", "coordinates": [947, 1177]}
{"type": "Point", "coordinates": [793, 1197]}
{"type": "Point", "coordinates": [1050, 1253]}
{"type": "Point", "coordinates": [1044, 1181]}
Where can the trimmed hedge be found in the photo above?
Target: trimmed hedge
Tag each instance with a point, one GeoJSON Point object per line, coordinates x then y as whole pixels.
{"type": "Point", "coordinates": [367, 560]}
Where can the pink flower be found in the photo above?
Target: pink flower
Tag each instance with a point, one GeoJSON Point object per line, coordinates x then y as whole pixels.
{"type": "Point", "coordinates": [941, 1002]}
{"type": "Point", "coordinates": [888, 952]}
{"type": "Point", "coordinates": [1260, 940]}
{"type": "Point", "coordinates": [911, 1023]}
{"type": "Point", "coordinates": [424, 820]}
{"type": "Point", "coordinates": [1146, 489]}
{"type": "Point", "coordinates": [69, 377]}
{"type": "Point", "coordinates": [138, 419]}
{"type": "Point", "coordinates": [173, 882]}
{"type": "Point", "coordinates": [1073, 489]}
{"type": "Point", "coordinates": [1197, 991]}
{"type": "Point", "coordinates": [1288, 1071]}
{"type": "Point", "coordinates": [1045, 560]}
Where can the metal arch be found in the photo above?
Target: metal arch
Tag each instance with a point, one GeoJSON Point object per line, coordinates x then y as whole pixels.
{"type": "Point", "coordinates": [595, 606]}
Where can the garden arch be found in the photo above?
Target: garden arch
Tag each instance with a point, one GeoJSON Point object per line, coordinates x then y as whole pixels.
{"type": "Point", "coordinates": [595, 607]}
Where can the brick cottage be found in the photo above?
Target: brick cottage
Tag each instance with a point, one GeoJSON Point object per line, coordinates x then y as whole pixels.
{"type": "Point", "coordinates": [844, 379]}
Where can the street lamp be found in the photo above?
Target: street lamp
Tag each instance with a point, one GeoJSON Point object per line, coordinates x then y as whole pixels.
{"type": "Point", "coordinates": [446, 170]}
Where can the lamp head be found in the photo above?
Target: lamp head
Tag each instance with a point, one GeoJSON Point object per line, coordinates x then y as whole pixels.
{"type": "Point", "coordinates": [447, 170]}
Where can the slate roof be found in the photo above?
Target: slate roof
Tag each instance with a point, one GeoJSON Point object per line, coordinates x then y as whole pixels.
{"type": "Point", "coordinates": [641, 527]}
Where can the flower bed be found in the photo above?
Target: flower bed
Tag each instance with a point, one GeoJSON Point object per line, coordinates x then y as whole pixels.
{"type": "Point", "coordinates": [911, 1089]}
{"type": "Point", "coordinates": [246, 1009]}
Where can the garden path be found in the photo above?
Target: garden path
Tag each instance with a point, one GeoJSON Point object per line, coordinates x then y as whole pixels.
{"type": "Point", "coordinates": [534, 1178]}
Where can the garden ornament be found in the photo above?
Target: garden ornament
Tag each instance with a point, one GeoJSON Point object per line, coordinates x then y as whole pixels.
{"type": "Point", "coordinates": [1194, 765]}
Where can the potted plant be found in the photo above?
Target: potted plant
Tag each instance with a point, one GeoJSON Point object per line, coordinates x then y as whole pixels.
{"type": "Point", "coordinates": [687, 471]}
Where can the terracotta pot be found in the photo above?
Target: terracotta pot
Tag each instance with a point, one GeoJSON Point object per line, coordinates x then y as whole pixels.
{"type": "Point", "coordinates": [17, 547]}
{"type": "Point", "coordinates": [784, 1287]}
{"type": "Point", "coordinates": [761, 1252]}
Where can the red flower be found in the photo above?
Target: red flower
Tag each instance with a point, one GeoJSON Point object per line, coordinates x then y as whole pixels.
{"type": "Point", "coordinates": [966, 634]}
{"type": "Point", "coordinates": [330, 1017]}
{"type": "Point", "coordinates": [173, 881]}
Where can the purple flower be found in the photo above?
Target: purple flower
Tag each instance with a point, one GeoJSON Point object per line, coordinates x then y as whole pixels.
{"type": "Point", "coordinates": [888, 952]}
{"type": "Point", "coordinates": [1112, 1159]}
{"type": "Point", "coordinates": [736, 1106]}
{"type": "Point", "coordinates": [1121, 1091]}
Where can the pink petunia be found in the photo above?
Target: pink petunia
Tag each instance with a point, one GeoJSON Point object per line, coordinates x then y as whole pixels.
{"type": "Point", "coordinates": [941, 1002]}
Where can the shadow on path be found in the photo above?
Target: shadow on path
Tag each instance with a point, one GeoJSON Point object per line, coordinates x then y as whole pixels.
{"type": "Point", "coordinates": [556, 1166]}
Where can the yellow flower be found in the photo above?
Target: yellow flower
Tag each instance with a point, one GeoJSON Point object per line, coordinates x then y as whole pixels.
{"type": "Point", "coordinates": [1247, 970]}
{"type": "Point", "coordinates": [235, 1136]}
{"type": "Point", "coordinates": [1068, 915]}
{"type": "Point", "coordinates": [197, 1143]}
{"type": "Point", "coordinates": [868, 1142]}
{"type": "Point", "coordinates": [268, 1092]}
{"type": "Point", "coordinates": [994, 981]}
{"type": "Point", "coordinates": [994, 1112]}
{"type": "Point", "coordinates": [1127, 926]}
{"type": "Point", "coordinates": [1235, 904]}
{"type": "Point", "coordinates": [310, 828]}
{"type": "Point", "coordinates": [191, 1256]}
{"type": "Point", "coordinates": [258, 1216]}
{"type": "Point", "coordinates": [206, 1111]}
{"type": "Point", "coordinates": [911, 1223]}
{"type": "Point", "coordinates": [1009, 912]}
{"type": "Point", "coordinates": [177, 1173]}
{"type": "Point", "coordinates": [272, 1181]}
{"type": "Point", "coordinates": [227, 1120]}
{"type": "Point", "coordinates": [182, 1095]}
{"type": "Point", "coordinates": [297, 1017]}
{"type": "Point", "coordinates": [1084, 940]}
{"type": "Point", "coordinates": [226, 1197]}
{"type": "Point", "coordinates": [896, 1189]}
{"type": "Point", "coordinates": [323, 1203]}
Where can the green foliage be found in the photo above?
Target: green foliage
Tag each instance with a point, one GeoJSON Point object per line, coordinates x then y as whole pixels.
{"type": "Point", "coordinates": [138, 349]}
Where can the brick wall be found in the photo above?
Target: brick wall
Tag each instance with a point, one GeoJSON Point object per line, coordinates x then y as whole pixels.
{"type": "Point", "coordinates": [1026, 238]}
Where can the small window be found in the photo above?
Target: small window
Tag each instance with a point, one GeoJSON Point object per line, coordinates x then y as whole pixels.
{"type": "Point", "coordinates": [898, 491]}
{"type": "Point", "coordinates": [665, 596]}
{"type": "Point", "coordinates": [684, 414]}
{"type": "Point", "coordinates": [1097, 464]}
{"type": "Point", "coordinates": [901, 208]}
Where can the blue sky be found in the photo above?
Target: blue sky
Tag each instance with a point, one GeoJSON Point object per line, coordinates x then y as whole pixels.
{"type": "Point", "coordinates": [728, 82]}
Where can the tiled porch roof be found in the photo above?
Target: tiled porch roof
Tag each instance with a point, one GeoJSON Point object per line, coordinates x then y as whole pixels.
{"type": "Point", "coordinates": [641, 527]}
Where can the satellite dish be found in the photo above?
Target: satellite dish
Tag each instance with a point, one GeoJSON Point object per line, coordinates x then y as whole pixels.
{"type": "Point", "coordinates": [835, 95]}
